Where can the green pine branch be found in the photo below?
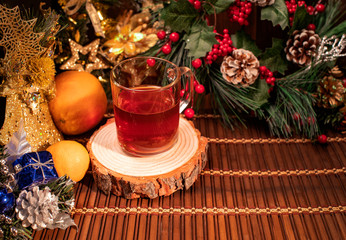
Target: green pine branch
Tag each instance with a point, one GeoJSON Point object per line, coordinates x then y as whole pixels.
{"type": "Point", "coordinates": [63, 188]}
{"type": "Point", "coordinates": [327, 21]}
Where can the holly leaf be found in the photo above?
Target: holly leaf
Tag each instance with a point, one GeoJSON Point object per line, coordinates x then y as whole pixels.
{"type": "Point", "coordinates": [179, 15]}
{"type": "Point", "coordinates": [243, 40]}
{"type": "Point", "coordinates": [218, 5]}
{"type": "Point", "coordinates": [200, 40]}
{"type": "Point", "coordinates": [276, 13]}
{"type": "Point", "coordinates": [301, 19]}
{"type": "Point", "coordinates": [261, 94]}
{"type": "Point", "coordinates": [272, 57]}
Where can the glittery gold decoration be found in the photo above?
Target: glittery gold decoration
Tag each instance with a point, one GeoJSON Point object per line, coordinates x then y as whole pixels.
{"type": "Point", "coordinates": [41, 131]}
{"type": "Point", "coordinates": [130, 37]}
{"type": "Point", "coordinates": [24, 68]}
{"type": "Point", "coordinates": [21, 43]}
{"type": "Point", "coordinates": [41, 71]}
{"type": "Point", "coordinates": [72, 6]}
{"type": "Point", "coordinates": [91, 48]}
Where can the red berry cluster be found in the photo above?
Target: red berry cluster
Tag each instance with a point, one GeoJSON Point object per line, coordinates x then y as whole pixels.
{"type": "Point", "coordinates": [293, 4]}
{"type": "Point", "coordinates": [199, 88]}
{"type": "Point", "coordinates": [239, 12]}
{"type": "Point", "coordinates": [267, 74]}
{"type": "Point", "coordinates": [173, 37]}
{"type": "Point", "coordinates": [222, 49]}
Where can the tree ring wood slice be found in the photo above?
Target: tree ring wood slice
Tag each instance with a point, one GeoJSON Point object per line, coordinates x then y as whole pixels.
{"type": "Point", "coordinates": [149, 176]}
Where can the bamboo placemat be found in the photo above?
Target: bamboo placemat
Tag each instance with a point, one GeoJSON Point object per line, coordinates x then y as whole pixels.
{"type": "Point", "coordinates": [254, 186]}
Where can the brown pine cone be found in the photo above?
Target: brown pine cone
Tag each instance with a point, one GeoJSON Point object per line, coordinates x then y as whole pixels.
{"type": "Point", "coordinates": [331, 92]}
{"type": "Point", "coordinates": [263, 3]}
{"type": "Point", "coordinates": [241, 68]}
{"type": "Point", "coordinates": [302, 46]}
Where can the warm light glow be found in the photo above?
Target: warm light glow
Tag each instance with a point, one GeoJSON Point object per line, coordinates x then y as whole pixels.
{"type": "Point", "coordinates": [100, 15]}
{"type": "Point", "coordinates": [137, 36]}
{"type": "Point", "coordinates": [116, 50]}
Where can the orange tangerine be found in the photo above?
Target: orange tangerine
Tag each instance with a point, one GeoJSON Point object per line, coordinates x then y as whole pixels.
{"type": "Point", "coordinates": [70, 158]}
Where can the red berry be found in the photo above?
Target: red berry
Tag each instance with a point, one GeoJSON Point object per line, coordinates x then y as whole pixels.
{"type": "Point", "coordinates": [197, 4]}
{"type": "Point", "coordinates": [225, 31]}
{"type": "Point", "coordinates": [310, 9]}
{"type": "Point", "coordinates": [344, 82]}
{"type": "Point", "coordinates": [270, 73]}
{"type": "Point", "coordinates": [270, 90]}
{"type": "Point", "coordinates": [296, 117]}
{"type": "Point", "coordinates": [166, 49]}
{"type": "Point", "coordinates": [247, 11]}
{"type": "Point", "coordinates": [191, 1]}
{"type": "Point", "coordinates": [320, 7]}
{"type": "Point", "coordinates": [311, 27]}
{"type": "Point", "coordinates": [196, 63]}
{"type": "Point", "coordinates": [270, 80]}
{"type": "Point", "coordinates": [262, 69]}
{"type": "Point", "coordinates": [189, 113]}
{"type": "Point", "coordinates": [174, 37]}
{"type": "Point", "coordinates": [322, 139]}
{"type": "Point", "coordinates": [301, 3]}
{"type": "Point", "coordinates": [161, 34]}
{"type": "Point", "coordinates": [310, 120]}
{"type": "Point", "coordinates": [199, 89]}
{"type": "Point", "coordinates": [195, 83]}
{"type": "Point", "coordinates": [151, 62]}
{"type": "Point", "coordinates": [241, 21]}
{"type": "Point", "coordinates": [182, 92]}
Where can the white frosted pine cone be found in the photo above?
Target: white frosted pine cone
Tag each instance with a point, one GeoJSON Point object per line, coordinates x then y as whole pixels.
{"type": "Point", "coordinates": [302, 46]}
{"type": "Point", "coordinates": [37, 208]}
{"type": "Point", "coordinates": [240, 68]}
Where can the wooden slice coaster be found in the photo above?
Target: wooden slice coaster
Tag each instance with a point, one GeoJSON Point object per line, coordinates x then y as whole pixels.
{"type": "Point", "coordinates": [149, 176]}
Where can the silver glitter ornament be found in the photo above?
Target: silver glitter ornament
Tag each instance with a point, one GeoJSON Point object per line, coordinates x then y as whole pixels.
{"type": "Point", "coordinates": [39, 209]}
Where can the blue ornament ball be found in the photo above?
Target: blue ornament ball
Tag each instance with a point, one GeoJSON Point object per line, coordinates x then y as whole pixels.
{"type": "Point", "coordinates": [6, 201]}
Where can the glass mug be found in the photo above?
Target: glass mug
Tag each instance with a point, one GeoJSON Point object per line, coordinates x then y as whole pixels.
{"type": "Point", "coordinates": [147, 103]}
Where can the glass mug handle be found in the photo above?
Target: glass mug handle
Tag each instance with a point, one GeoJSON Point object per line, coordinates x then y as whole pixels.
{"type": "Point", "coordinates": [188, 95]}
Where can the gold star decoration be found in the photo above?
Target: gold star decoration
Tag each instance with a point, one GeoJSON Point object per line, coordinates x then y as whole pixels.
{"type": "Point", "coordinates": [91, 48]}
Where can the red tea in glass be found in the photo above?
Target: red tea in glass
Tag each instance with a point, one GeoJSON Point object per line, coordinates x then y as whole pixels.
{"type": "Point", "coordinates": [147, 104]}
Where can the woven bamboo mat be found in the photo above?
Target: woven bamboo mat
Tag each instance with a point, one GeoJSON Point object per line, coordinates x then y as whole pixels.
{"type": "Point", "coordinates": [253, 187]}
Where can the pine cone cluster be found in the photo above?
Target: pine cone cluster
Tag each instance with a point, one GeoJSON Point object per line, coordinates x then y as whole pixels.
{"type": "Point", "coordinates": [37, 208]}
{"type": "Point", "coordinates": [301, 46]}
{"type": "Point", "coordinates": [240, 68]}
{"type": "Point", "coordinates": [331, 92]}
{"type": "Point", "coordinates": [263, 3]}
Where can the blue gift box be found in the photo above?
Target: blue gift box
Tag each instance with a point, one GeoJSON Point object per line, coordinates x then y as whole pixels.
{"type": "Point", "coordinates": [34, 168]}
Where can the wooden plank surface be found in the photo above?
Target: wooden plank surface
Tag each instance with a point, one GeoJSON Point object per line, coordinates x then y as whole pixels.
{"type": "Point", "coordinates": [254, 186]}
